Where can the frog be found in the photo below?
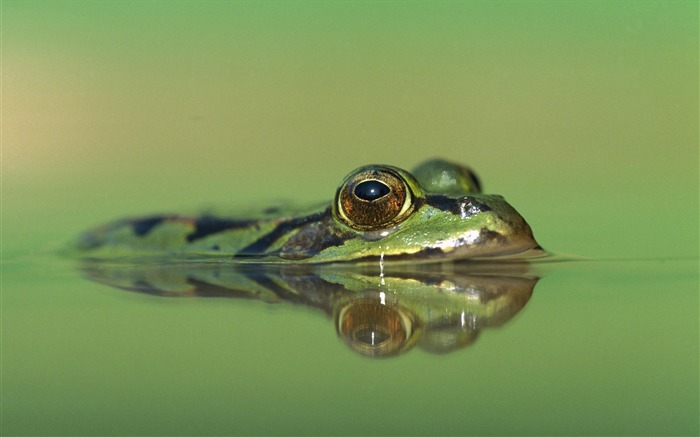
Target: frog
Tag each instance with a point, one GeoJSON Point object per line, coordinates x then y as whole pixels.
{"type": "Point", "coordinates": [381, 212]}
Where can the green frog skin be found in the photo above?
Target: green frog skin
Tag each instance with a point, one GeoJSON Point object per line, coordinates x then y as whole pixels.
{"type": "Point", "coordinates": [436, 213]}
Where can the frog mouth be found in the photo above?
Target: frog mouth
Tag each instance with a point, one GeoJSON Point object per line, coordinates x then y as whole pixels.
{"type": "Point", "coordinates": [482, 243]}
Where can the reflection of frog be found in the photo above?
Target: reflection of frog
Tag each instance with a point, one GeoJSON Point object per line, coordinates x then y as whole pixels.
{"type": "Point", "coordinates": [440, 307]}
{"type": "Point", "coordinates": [378, 211]}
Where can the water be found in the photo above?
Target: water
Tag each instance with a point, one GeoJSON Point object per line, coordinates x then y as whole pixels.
{"type": "Point", "coordinates": [599, 347]}
{"type": "Point", "coordinates": [584, 115]}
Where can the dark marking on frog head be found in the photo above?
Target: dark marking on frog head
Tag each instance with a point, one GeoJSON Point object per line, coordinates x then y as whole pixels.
{"type": "Point", "coordinates": [143, 226]}
{"type": "Point", "coordinates": [465, 205]}
{"type": "Point", "coordinates": [208, 225]}
{"type": "Point", "coordinates": [262, 244]}
{"type": "Point", "coordinates": [313, 238]}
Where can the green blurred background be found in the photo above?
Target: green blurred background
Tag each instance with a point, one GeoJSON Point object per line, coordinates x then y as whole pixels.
{"type": "Point", "coordinates": [584, 115]}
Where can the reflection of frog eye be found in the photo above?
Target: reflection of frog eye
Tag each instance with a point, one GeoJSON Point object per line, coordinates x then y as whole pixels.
{"type": "Point", "coordinates": [374, 197]}
{"type": "Point", "coordinates": [375, 330]}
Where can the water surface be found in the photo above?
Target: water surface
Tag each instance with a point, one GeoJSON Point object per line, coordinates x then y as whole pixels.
{"type": "Point", "coordinates": [600, 347]}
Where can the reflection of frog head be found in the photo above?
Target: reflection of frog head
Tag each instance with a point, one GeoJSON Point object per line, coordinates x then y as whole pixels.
{"type": "Point", "coordinates": [438, 307]}
{"type": "Point", "coordinates": [440, 318]}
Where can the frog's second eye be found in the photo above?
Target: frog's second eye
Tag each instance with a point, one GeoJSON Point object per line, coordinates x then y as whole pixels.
{"type": "Point", "coordinates": [374, 197]}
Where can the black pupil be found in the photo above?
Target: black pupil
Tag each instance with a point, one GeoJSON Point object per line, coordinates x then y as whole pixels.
{"type": "Point", "coordinates": [371, 337]}
{"type": "Point", "coordinates": [371, 190]}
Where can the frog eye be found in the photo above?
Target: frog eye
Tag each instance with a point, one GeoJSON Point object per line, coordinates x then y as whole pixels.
{"type": "Point", "coordinates": [374, 197]}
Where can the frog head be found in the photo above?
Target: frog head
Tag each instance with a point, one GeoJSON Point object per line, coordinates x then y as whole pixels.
{"type": "Point", "coordinates": [438, 213]}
